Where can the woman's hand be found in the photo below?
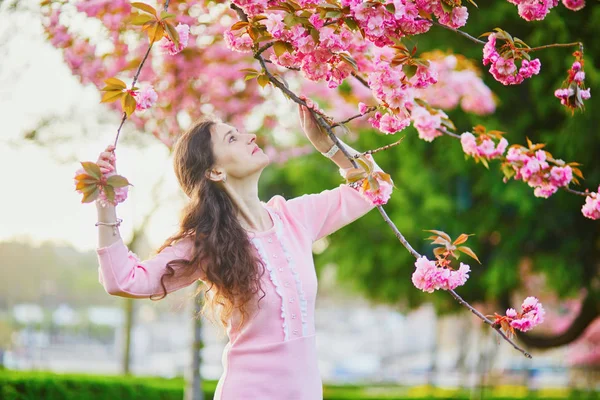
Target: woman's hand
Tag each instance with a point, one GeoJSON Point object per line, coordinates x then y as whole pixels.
{"type": "Point", "coordinates": [107, 160]}
{"type": "Point", "coordinates": [313, 131]}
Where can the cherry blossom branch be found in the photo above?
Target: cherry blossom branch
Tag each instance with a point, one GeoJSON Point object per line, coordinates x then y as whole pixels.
{"type": "Point", "coordinates": [488, 321]}
{"type": "Point", "coordinates": [135, 78]}
{"type": "Point", "coordinates": [459, 299]}
{"type": "Point", "coordinates": [528, 49]}
{"type": "Point", "coordinates": [455, 136]}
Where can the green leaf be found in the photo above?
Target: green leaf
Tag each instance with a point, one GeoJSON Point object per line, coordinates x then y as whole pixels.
{"type": "Point", "coordinates": [409, 70]}
{"type": "Point", "coordinates": [110, 193]}
{"type": "Point", "coordinates": [468, 252]}
{"type": "Point", "coordinates": [117, 181]}
{"type": "Point", "coordinates": [440, 233]}
{"type": "Point", "coordinates": [92, 169]}
{"type": "Point", "coordinates": [239, 25]}
{"type": "Point", "coordinates": [141, 19]}
{"type": "Point", "coordinates": [110, 96]}
{"type": "Point", "coordinates": [144, 7]}
{"type": "Point", "coordinates": [117, 83]}
{"type": "Point", "coordinates": [279, 47]}
{"type": "Point", "coordinates": [90, 196]}
{"type": "Point", "coordinates": [263, 80]}
{"type": "Point", "coordinates": [173, 34]}
{"type": "Point", "coordinates": [166, 15]}
{"type": "Point", "coordinates": [128, 104]}
{"type": "Point", "coordinates": [351, 23]}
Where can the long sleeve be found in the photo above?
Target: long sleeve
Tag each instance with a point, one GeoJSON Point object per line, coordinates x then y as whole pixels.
{"type": "Point", "coordinates": [326, 212]}
{"type": "Point", "coordinates": [123, 274]}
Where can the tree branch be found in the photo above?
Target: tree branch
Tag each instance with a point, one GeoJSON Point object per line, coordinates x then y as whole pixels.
{"type": "Point", "coordinates": [135, 78]}
{"type": "Point", "coordinates": [459, 299]}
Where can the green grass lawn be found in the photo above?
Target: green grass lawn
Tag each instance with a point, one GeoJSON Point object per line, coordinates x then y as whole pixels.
{"type": "Point", "coordinates": [26, 385]}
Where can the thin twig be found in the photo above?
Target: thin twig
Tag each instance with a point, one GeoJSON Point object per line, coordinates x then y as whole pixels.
{"type": "Point", "coordinates": [320, 120]}
{"type": "Point", "coordinates": [445, 132]}
{"type": "Point", "coordinates": [547, 46]}
{"type": "Point", "coordinates": [360, 79]}
{"type": "Point", "coordinates": [487, 321]}
{"type": "Point", "coordinates": [462, 33]}
{"type": "Point", "coordinates": [399, 235]}
{"type": "Point", "coordinates": [584, 194]}
{"type": "Point", "coordinates": [135, 78]}
{"type": "Point", "coordinates": [387, 146]}
{"type": "Point", "coordinates": [265, 47]}
{"type": "Point", "coordinates": [369, 109]}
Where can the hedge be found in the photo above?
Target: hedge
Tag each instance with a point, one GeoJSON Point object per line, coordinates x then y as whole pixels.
{"type": "Point", "coordinates": [25, 385]}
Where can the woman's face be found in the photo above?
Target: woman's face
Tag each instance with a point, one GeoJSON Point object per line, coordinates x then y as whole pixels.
{"type": "Point", "coordinates": [237, 153]}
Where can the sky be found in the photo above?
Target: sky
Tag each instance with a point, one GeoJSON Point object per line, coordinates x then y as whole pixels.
{"type": "Point", "coordinates": [38, 201]}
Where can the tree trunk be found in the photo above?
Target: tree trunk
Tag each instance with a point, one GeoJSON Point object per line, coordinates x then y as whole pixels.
{"type": "Point", "coordinates": [126, 360]}
{"type": "Point", "coordinates": [193, 386]}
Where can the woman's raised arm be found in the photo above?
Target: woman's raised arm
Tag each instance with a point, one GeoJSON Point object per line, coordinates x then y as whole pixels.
{"type": "Point", "coordinates": [123, 274]}
{"type": "Point", "coordinates": [120, 271]}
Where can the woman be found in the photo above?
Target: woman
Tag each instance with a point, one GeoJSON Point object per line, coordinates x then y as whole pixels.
{"type": "Point", "coordinates": [255, 258]}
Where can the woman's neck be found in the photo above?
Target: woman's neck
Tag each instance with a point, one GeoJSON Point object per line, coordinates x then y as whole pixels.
{"type": "Point", "coordinates": [251, 213]}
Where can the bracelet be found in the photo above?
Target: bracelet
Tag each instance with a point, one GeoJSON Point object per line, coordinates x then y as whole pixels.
{"type": "Point", "coordinates": [113, 224]}
{"type": "Point", "coordinates": [331, 151]}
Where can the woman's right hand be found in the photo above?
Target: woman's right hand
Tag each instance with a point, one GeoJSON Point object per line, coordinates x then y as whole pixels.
{"type": "Point", "coordinates": [107, 160]}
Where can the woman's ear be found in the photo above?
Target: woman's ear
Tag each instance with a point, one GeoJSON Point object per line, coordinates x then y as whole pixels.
{"type": "Point", "coordinates": [216, 175]}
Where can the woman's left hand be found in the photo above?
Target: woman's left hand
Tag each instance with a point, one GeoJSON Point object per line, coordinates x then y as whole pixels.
{"type": "Point", "coordinates": [313, 131]}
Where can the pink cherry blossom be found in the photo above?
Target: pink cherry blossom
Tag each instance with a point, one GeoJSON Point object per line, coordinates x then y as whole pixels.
{"type": "Point", "coordinates": [505, 70]}
{"type": "Point", "coordinates": [574, 5]}
{"type": "Point", "coordinates": [591, 208]}
{"type": "Point", "coordinates": [426, 275]}
{"type": "Point", "coordinates": [381, 195]}
{"type": "Point", "coordinates": [561, 176]}
{"type": "Point", "coordinates": [429, 277]}
{"type": "Point", "coordinates": [427, 124]}
{"type": "Point", "coordinates": [274, 25]}
{"type": "Point", "coordinates": [486, 149]}
{"type": "Point", "coordinates": [145, 98]}
{"type": "Point", "coordinates": [168, 46]}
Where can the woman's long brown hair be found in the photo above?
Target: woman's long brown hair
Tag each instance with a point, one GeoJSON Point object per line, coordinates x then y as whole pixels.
{"type": "Point", "coordinates": [222, 249]}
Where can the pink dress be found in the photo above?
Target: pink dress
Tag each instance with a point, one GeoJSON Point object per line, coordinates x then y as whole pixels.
{"type": "Point", "coordinates": [273, 357]}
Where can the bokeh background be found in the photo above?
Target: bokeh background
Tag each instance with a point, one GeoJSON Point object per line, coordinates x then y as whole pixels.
{"type": "Point", "coordinates": [377, 334]}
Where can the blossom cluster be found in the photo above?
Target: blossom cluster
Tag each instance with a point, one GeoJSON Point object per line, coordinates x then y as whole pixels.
{"type": "Point", "coordinates": [428, 276]}
{"type": "Point", "coordinates": [591, 208]}
{"type": "Point", "coordinates": [536, 10]}
{"type": "Point", "coordinates": [537, 172]}
{"type": "Point", "coordinates": [505, 70]}
{"type": "Point", "coordinates": [427, 123]}
{"type": "Point", "coordinates": [458, 82]}
{"type": "Point", "coordinates": [145, 98]}
{"type": "Point", "coordinates": [532, 314]}
{"type": "Point", "coordinates": [169, 47]}
{"type": "Point", "coordinates": [482, 146]}
{"type": "Point", "coordinates": [573, 94]}
{"type": "Point", "coordinates": [364, 182]}
{"type": "Point", "coordinates": [120, 192]}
